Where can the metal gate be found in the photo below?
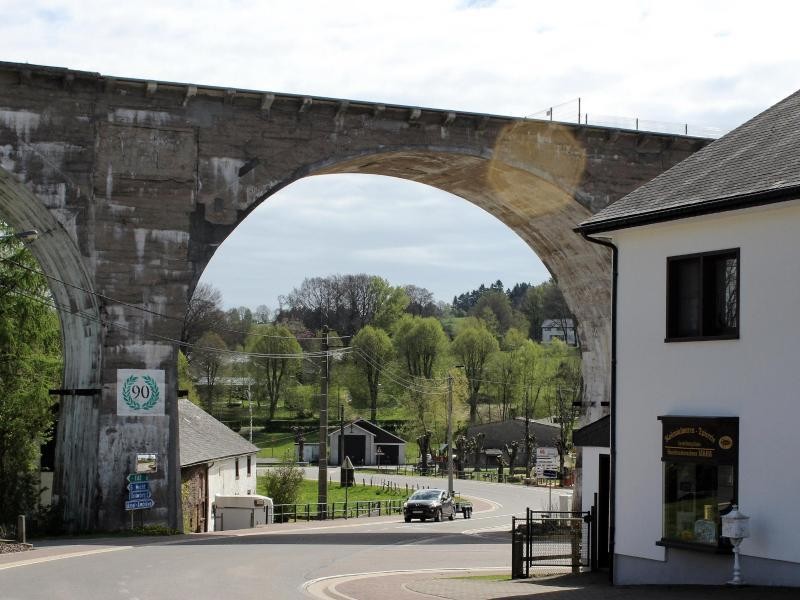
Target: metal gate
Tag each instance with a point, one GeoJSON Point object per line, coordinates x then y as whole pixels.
{"type": "Point", "coordinates": [551, 539]}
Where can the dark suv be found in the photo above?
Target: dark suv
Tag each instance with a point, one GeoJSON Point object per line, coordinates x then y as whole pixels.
{"type": "Point", "coordinates": [429, 504]}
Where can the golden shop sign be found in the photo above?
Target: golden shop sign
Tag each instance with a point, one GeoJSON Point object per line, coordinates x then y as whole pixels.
{"type": "Point", "coordinates": [700, 439]}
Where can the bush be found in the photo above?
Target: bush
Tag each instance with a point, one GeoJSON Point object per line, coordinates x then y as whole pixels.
{"type": "Point", "coordinates": [282, 483]}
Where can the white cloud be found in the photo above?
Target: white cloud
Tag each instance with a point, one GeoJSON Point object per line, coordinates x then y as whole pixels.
{"type": "Point", "coordinates": [713, 63]}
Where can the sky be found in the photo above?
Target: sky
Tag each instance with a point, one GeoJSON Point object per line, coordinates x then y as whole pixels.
{"type": "Point", "coordinates": [712, 65]}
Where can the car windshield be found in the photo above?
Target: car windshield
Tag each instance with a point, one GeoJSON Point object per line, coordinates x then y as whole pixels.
{"type": "Point", "coordinates": [426, 495]}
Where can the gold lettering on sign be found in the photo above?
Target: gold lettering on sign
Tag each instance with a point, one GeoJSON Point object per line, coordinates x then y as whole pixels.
{"type": "Point", "coordinates": [680, 431]}
{"type": "Point", "coordinates": [705, 434]}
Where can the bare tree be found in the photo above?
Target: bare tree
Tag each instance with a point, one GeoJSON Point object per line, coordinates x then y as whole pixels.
{"type": "Point", "coordinates": [207, 359]}
{"type": "Point", "coordinates": [203, 314]}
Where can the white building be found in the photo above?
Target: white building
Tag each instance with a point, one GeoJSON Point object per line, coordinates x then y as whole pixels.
{"type": "Point", "coordinates": [705, 407]}
{"type": "Point", "coordinates": [558, 329]}
{"type": "Point", "coordinates": [215, 460]}
{"type": "Point", "coordinates": [364, 442]}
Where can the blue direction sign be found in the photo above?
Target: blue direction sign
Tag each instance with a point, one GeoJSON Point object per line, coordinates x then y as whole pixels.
{"type": "Point", "coordinates": [550, 474]}
{"type": "Point", "coordinates": [137, 477]}
{"type": "Point", "coordinates": [139, 486]}
{"type": "Point", "coordinates": [139, 495]}
{"type": "Point", "coordinates": [139, 504]}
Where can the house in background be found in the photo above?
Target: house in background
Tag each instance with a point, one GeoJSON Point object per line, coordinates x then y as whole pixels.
{"type": "Point", "coordinates": [705, 407]}
{"type": "Point", "coordinates": [215, 460]}
{"type": "Point", "coordinates": [367, 444]}
{"type": "Point", "coordinates": [558, 329]}
{"type": "Point", "coordinates": [364, 442]}
{"type": "Point", "coordinates": [499, 434]}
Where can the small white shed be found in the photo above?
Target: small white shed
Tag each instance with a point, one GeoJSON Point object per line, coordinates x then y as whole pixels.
{"type": "Point", "coordinates": [242, 512]}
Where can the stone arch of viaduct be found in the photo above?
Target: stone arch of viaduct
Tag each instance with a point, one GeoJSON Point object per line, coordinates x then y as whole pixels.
{"type": "Point", "coordinates": [133, 185]}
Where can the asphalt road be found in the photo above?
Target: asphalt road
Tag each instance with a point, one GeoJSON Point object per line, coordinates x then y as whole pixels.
{"type": "Point", "coordinates": [277, 562]}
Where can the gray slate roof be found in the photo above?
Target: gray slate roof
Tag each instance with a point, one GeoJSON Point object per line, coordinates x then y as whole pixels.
{"type": "Point", "coordinates": [597, 433]}
{"type": "Point", "coordinates": [203, 438]}
{"type": "Point", "coordinates": [756, 163]}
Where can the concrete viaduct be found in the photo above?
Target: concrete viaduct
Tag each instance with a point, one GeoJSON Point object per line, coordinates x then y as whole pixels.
{"type": "Point", "coordinates": [133, 185]}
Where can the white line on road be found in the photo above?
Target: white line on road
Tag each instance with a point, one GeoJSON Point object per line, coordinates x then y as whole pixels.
{"type": "Point", "coordinates": [44, 559]}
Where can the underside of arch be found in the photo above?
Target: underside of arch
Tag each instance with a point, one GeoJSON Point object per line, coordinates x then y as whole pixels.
{"type": "Point", "coordinates": [79, 315]}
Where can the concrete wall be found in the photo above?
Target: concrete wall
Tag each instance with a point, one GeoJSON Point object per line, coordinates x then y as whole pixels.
{"type": "Point", "coordinates": [755, 378]}
{"type": "Point", "coordinates": [136, 184]}
{"type": "Point", "coordinates": [222, 480]}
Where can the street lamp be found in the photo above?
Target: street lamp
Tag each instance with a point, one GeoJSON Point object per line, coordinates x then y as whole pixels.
{"type": "Point", "coordinates": [450, 431]}
{"type": "Point", "coordinates": [736, 527]}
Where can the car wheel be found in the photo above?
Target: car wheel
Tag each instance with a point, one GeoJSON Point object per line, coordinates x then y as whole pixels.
{"type": "Point", "coordinates": [452, 515]}
{"type": "Point", "coordinates": [408, 519]}
{"type": "Point", "coordinates": [438, 516]}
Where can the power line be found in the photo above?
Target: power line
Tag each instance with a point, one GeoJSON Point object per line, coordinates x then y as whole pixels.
{"type": "Point", "coordinates": [410, 385]}
{"type": "Point", "coordinates": [106, 323]}
{"type": "Point", "coordinates": [150, 311]}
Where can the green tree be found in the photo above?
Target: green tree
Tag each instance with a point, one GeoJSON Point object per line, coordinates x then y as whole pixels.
{"type": "Point", "coordinates": [185, 381]}
{"type": "Point", "coordinates": [282, 484]}
{"type": "Point", "coordinates": [498, 304]}
{"type": "Point", "coordinates": [419, 342]}
{"type": "Point", "coordinates": [568, 390]}
{"type": "Point", "coordinates": [30, 346]}
{"type": "Point", "coordinates": [280, 360]}
{"type": "Point", "coordinates": [373, 352]}
{"type": "Point", "coordinates": [472, 347]}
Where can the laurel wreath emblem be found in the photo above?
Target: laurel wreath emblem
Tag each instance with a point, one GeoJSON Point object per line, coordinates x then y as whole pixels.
{"type": "Point", "coordinates": [133, 404]}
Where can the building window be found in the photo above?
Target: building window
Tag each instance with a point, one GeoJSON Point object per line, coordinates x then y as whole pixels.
{"type": "Point", "coordinates": [236, 466]}
{"type": "Point", "coordinates": [700, 457]}
{"type": "Point", "coordinates": [249, 465]}
{"type": "Point", "coordinates": [703, 296]}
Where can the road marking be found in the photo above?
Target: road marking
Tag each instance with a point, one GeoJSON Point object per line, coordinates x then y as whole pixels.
{"type": "Point", "coordinates": [44, 559]}
{"type": "Point", "coordinates": [505, 528]}
{"type": "Point", "coordinates": [316, 588]}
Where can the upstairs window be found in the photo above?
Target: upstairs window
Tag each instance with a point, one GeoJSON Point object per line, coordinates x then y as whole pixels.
{"type": "Point", "coordinates": [703, 296]}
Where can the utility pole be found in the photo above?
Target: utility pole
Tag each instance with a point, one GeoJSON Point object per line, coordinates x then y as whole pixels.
{"type": "Point", "coordinates": [528, 448]}
{"type": "Point", "coordinates": [250, 408]}
{"type": "Point", "coordinates": [341, 427]}
{"type": "Point", "coordinates": [322, 482]}
{"type": "Point", "coordinates": [450, 435]}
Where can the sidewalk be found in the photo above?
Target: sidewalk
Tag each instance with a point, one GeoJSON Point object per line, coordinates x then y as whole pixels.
{"type": "Point", "coordinates": [477, 586]}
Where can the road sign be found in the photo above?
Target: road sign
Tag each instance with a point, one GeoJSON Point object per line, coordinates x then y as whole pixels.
{"type": "Point", "coordinates": [133, 477]}
{"type": "Point", "coordinates": [139, 486]}
{"type": "Point", "coordinates": [139, 504]}
{"type": "Point", "coordinates": [550, 474]}
{"type": "Point", "coordinates": [139, 495]}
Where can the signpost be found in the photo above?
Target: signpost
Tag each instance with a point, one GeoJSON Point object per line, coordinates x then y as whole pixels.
{"type": "Point", "coordinates": [547, 463]}
{"type": "Point", "coordinates": [547, 468]}
{"type": "Point", "coordinates": [139, 495]}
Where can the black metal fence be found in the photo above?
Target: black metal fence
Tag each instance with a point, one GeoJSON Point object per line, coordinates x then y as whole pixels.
{"type": "Point", "coordinates": [551, 539]}
{"type": "Point", "coordinates": [470, 473]}
{"type": "Point", "coordinates": [285, 513]}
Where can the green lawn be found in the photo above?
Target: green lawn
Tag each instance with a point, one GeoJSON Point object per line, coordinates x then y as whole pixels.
{"type": "Point", "coordinates": [278, 445]}
{"type": "Point", "coordinates": [336, 493]}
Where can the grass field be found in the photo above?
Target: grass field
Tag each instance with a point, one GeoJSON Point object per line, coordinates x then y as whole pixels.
{"type": "Point", "coordinates": [336, 493]}
{"type": "Point", "coordinates": [278, 445]}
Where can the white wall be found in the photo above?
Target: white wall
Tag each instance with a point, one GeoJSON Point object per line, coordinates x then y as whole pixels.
{"type": "Point", "coordinates": [590, 474]}
{"type": "Point", "coordinates": [222, 480]}
{"type": "Point", "coordinates": [755, 378]}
